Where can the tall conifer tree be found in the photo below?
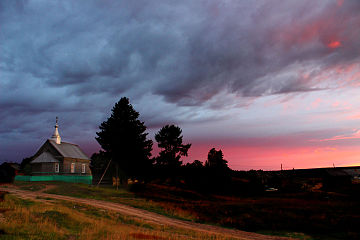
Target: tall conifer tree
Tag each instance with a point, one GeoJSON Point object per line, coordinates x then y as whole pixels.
{"type": "Point", "coordinates": [122, 136]}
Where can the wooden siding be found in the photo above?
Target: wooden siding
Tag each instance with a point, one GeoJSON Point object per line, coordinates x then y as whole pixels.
{"type": "Point", "coordinates": [43, 168]}
{"type": "Point", "coordinates": [78, 162]}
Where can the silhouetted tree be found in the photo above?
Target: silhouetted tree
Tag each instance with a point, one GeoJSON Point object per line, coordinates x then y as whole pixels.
{"type": "Point", "coordinates": [25, 166]}
{"type": "Point", "coordinates": [122, 136]}
{"type": "Point", "coordinates": [169, 139]}
{"type": "Point", "coordinates": [98, 162]}
{"type": "Point", "coordinates": [216, 160]}
{"type": "Point", "coordinates": [195, 164]}
{"type": "Point", "coordinates": [7, 173]}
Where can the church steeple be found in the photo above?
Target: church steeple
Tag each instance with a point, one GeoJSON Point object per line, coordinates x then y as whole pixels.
{"type": "Point", "coordinates": [56, 136]}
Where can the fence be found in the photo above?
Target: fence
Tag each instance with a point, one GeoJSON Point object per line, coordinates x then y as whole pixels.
{"type": "Point", "coordinates": [62, 178]}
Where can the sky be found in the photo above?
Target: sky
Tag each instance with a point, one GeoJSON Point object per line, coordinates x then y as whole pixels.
{"type": "Point", "coordinates": [268, 82]}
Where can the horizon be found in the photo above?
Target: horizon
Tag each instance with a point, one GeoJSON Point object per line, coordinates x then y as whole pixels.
{"type": "Point", "coordinates": [267, 82]}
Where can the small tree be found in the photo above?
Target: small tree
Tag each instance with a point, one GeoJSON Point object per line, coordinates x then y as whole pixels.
{"type": "Point", "coordinates": [170, 140]}
{"type": "Point", "coordinates": [216, 160]}
{"type": "Point", "coordinates": [25, 165]}
{"type": "Point", "coordinates": [98, 163]}
{"type": "Point", "coordinates": [195, 164]}
{"type": "Point", "coordinates": [122, 136]}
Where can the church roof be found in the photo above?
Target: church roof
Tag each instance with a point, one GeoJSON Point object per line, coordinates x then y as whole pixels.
{"type": "Point", "coordinates": [45, 157]}
{"type": "Point", "coordinates": [69, 150]}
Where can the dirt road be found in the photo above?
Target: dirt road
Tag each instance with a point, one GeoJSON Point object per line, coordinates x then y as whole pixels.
{"type": "Point", "coordinates": [144, 215]}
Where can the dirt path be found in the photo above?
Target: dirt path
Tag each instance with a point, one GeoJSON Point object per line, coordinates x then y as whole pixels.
{"type": "Point", "coordinates": [145, 215]}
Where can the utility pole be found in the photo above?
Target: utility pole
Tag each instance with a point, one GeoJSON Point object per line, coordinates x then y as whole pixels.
{"type": "Point", "coordinates": [104, 173]}
{"type": "Point", "coordinates": [117, 176]}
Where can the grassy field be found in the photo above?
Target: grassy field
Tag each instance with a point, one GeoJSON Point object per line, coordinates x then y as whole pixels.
{"type": "Point", "coordinates": [122, 195]}
{"type": "Point", "coordinates": [301, 215]}
{"type": "Point", "coordinates": [25, 219]}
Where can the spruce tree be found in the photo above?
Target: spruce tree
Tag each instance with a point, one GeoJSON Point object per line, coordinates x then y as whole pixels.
{"type": "Point", "coordinates": [122, 136]}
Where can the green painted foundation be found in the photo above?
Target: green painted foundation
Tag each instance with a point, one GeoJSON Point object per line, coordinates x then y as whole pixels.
{"type": "Point", "coordinates": [61, 178]}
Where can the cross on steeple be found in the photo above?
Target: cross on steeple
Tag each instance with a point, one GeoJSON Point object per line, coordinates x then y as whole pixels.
{"type": "Point", "coordinates": [56, 136]}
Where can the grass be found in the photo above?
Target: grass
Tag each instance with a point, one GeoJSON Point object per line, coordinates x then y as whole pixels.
{"type": "Point", "coordinates": [30, 186]}
{"type": "Point", "coordinates": [297, 215]}
{"type": "Point", "coordinates": [121, 196]}
{"type": "Point", "coordinates": [59, 220]}
{"type": "Point", "coordinates": [44, 198]}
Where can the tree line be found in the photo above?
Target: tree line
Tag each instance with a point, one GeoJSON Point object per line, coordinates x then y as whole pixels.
{"type": "Point", "coordinates": [124, 141]}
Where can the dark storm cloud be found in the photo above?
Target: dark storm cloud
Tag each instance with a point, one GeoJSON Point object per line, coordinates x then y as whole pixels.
{"type": "Point", "coordinates": [184, 51]}
{"type": "Point", "coordinates": [65, 57]}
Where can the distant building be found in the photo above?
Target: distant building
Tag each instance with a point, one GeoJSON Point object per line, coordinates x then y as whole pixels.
{"type": "Point", "coordinates": [59, 161]}
{"type": "Point", "coordinates": [15, 166]}
{"type": "Point", "coordinates": [8, 172]}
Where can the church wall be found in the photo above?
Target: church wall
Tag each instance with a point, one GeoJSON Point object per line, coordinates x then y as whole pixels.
{"type": "Point", "coordinates": [43, 168]}
{"type": "Point", "coordinates": [36, 167]}
{"type": "Point", "coordinates": [78, 165]}
{"type": "Point", "coordinates": [64, 167]}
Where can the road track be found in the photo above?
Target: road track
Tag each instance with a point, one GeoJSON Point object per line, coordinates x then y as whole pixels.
{"type": "Point", "coordinates": [144, 215]}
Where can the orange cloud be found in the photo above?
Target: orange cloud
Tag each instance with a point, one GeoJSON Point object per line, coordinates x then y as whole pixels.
{"type": "Point", "coordinates": [336, 104]}
{"type": "Point", "coordinates": [325, 149]}
{"type": "Point", "coordinates": [353, 135]}
{"type": "Point", "coordinates": [334, 44]}
{"type": "Point", "coordinates": [354, 117]}
{"type": "Point", "coordinates": [316, 103]}
{"type": "Point", "coordinates": [327, 31]}
{"type": "Point", "coordinates": [340, 2]}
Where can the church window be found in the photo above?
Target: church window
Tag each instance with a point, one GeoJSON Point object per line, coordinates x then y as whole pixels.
{"type": "Point", "coordinates": [83, 168]}
{"type": "Point", "coordinates": [72, 169]}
